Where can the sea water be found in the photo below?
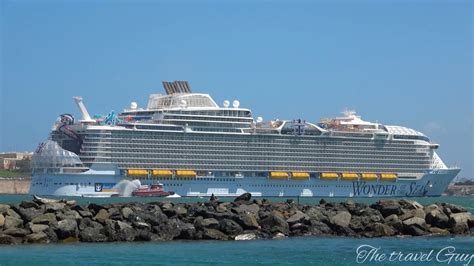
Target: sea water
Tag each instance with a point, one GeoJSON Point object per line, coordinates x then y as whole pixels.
{"type": "Point", "coordinates": [292, 251]}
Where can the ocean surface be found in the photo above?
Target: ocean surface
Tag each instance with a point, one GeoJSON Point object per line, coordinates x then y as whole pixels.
{"type": "Point", "coordinates": [290, 251]}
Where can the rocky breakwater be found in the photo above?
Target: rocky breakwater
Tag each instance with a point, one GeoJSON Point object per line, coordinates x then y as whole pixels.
{"type": "Point", "coordinates": [47, 221]}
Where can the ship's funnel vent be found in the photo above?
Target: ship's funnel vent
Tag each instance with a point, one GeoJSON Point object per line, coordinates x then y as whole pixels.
{"type": "Point", "coordinates": [177, 86]}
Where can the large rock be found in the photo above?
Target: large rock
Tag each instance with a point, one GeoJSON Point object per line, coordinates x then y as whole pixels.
{"type": "Point", "coordinates": [248, 220]}
{"type": "Point", "coordinates": [230, 227]}
{"type": "Point", "coordinates": [13, 213]}
{"type": "Point", "coordinates": [29, 214]}
{"type": "Point", "coordinates": [410, 213]}
{"type": "Point", "coordinates": [91, 234]}
{"type": "Point", "coordinates": [12, 222]}
{"type": "Point", "coordinates": [394, 221]}
{"type": "Point", "coordinates": [188, 231]}
{"type": "Point", "coordinates": [8, 239]}
{"type": "Point", "coordinates": [54, 206]}
{"type": "Point", "coordinates": [47, 218]}
{"type": "Point", "coordinates": [69, 214]}
{"type": "Point", "coordinates": [454, 208]}
{"type": "Point", "coordinates": [126, 212]}
{"type": "Point", "coordinates": [436, 217]}
{"type": "Point", "coordinates": [207, 223]}
{"type": "Point", "coordinates": [298, 217]}
{"type": "Point", "coordinates": [36, 228]}
{"type": "Point", "coordinates": [342, 219]}
{"type": "Point", "coordinates": [415, 220]}
{"type": "Point", "coordinates": [29, 204]}
{"type": "Point", "coordinates": [2, 220]}
{"type": "Point", "coordinates": [169, 230]}
{"type": "Point", "coordinates": [415, 226]}
{"type": "Point", "coordinates": [388, 207]}
{"type": "Point", "coordinates": [66, 228]}
{"type": "Point", "coordinates": [244, 197]}
{"type": "Point", "coordinates": [253, 208]}
{"type": "Point", "coordinates": [39, 237]}
{"type": "Point", "coordinates": [381, 229]}
{"type": "Point", "coordinates": [102, 215]}
{"type": "Point", "coordinates": [275, 223]}
{"type": "Point", "coordinates": [459, 222]}
{"type": "Point", "coordinates": [17, 232]}
{"type": "Point", "coordinates": [315, 213]}
{"type": "Point", "coordinates": [214, 234]}
{"type": "Point", "coordinates": [4, 208]}
{"type": "Point", "coordinates": [125, 232]}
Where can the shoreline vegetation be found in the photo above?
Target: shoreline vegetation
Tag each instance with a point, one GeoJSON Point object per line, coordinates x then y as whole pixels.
{"type": "Point", "coordinates": [60, 221]}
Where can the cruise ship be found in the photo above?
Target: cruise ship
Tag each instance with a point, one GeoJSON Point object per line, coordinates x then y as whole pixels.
{"type": "Point", "coordinates": [196, 148]}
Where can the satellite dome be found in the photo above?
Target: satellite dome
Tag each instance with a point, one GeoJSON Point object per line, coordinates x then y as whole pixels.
{"type": "Point", "coordinates": [259, 119]}
{"type": "Point", "coordinates": [236, 104]}
{"type": "Point", "coordinates": [226, 103]}
{"type": "Point", "coordinates": [133, 105]}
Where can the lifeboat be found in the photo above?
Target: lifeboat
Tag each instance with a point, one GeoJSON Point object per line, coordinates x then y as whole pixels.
{"type": "Point", "coordinates": [185, 173]}
{"type": "Point", "coordinates": [162, 173]}
{"type": "Point", "coordinates": [279, 175]}
{"type": "Point", "coordinates": [328, 176]}
{"type": "Point", "coordinates": [369, 176]}
{"type": "Point", "coordinates": [349, 176]}
{"type": "Point", "coordinates": [137, 172]}
{"type": "Point", "coordinates": [388, 177]}
{"type": "Point", "coordinates": [300, 176]}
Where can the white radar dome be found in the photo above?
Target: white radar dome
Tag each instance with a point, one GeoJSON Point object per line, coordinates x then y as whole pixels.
{"type": "Point", "coordinates": [183, 103]}
{"type": "Point", "coordinates": [236, 104]}
{"type": "Point", "coordinates": [226, 103]}
{"type": "Point", "coordinates": [133, 105]}
{"type": "Point", "coordinates": [259, 119]}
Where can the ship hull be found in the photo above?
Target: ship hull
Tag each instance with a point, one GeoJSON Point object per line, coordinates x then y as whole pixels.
{"type": "Point", "coordinates": [97, 184]}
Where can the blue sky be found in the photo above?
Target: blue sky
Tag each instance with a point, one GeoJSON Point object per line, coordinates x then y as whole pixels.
{"type": "Point", "coordinates": [406, 63]}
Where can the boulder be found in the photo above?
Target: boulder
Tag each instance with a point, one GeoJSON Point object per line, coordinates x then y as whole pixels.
{"type": "Point", "coordinates": [275, 223]}
{"type": "Point", "coordinates": [438, 231]}
{"type": "Point", "coordinates": [29, 214]}
{"type": "Point", "coordinates": [436, 217]}
{"type": "Point", "coordinates": [381, 229]}
{"type": "Point", "coordinates": [248, 220]}
{"type": "Point", "coordinates": [102, 215]}
{"type": "Point", "coordinates": [8, 239]}
{"type": "Point", "coordinates": [4, 208]}
{"type": "Point", "coordinates": [410, 213]}
{"type": "Point", "coordinates": [459, 222]}
{"type": "Point", "coordinates": [12, 222]}
{"type": "Point", "coordinates": [298, 217]}
{"type": "Point", "coordinates": [214, 234]}
{"type": "Point", "coordinates": [47, 218]}
{"type": "Point", "coordinates": [248, 236]}
{"type": "Point", "coordinates": [169, 230]}
{"type": "Point", "coordinates": [244, 197]}
{"type": "Point", "coordinates": [39, 237]}
{"type": "Point", "coordinates": [315, 213]}
{"type": "Point", "coordinates": [36, 228]}
{"type": "Point", "coordinates": [95, 208]}
{"type": "Point", "coordinates": [69, 214]}
{"type": "Point", "coordinates": [415, 220]}
{"type": "Point", "coordinates": [126, 211]}
{"type": "Point", "coordinates": [207, 223]}
{"type": "Point", "coordinates": [13, 213]}
{"type": "Point", "coordinates": [230, 227]}
{"type": "Point", "coordinates": [279, 236]}
{"type": "Point", "coordinates": [66, 228]}
{"type": "Point", "coordinates": [253, 208]}
{"type": "Point", "coordinates": [29, 204]}
{"type": "Point", "coordinates": [394, 221]}
{"type": "Point", "coordinates": [388, 207]}
{"type": "Point", "coordinates": [341, 219]}
{"type": "Point", "coordinates": [454, 208]}
{"type": "Point", "coordinates": [54, 206]}
{"type": "Point", "coordinates": [222, 207]}
{"type": "Point", "coordinates": [17, 232]}
{"type": "Point", "coordinates": [2, 220]}
{"type": "Point", "coordinates": [125, 232]}
{"type": "Point", "coordinates": [85, 214]}
{"type": "Point", "coordinates": [188, 231]}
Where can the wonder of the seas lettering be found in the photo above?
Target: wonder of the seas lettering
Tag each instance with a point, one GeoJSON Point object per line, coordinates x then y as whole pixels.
{"type": "Point", "coordinates": [362, 188]}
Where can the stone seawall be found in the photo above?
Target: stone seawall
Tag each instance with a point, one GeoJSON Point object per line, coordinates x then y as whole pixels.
{"type": "Point", "coordinates": [50, 221]}
{"type": "Point", "coordinates": [14, 186]}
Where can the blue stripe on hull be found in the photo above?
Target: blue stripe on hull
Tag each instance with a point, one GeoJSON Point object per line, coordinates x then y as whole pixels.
{"type": "Point", "coordinates": [433, 183]}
